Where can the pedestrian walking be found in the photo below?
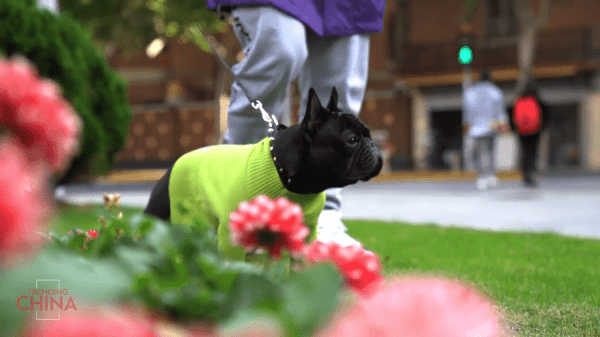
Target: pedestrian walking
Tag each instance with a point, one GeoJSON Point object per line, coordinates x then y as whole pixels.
{"type": "Point", "coordinates": [323, 44]}
{"type": "Point", "coordinates": [485, 116]}
{"type": "Point", "coordinates": [529, 119]}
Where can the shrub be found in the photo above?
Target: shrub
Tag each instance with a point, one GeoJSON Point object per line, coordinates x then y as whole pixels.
{"type": "Point", "coordinates": [62, 51]}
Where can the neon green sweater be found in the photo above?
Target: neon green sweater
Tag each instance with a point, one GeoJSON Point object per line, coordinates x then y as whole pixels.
{"type": "Point", "coordinates": [211, 182]}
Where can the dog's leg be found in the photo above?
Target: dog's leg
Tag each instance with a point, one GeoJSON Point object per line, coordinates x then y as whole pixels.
{"type": "Point", "coordinates": [159, 205]}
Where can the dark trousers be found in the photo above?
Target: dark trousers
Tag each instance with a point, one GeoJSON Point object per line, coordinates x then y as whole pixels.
{"type": "Point", "coordinates": [529, 149]}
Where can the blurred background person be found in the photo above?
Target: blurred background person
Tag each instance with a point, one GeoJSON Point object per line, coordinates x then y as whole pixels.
{"type": "Point", "coordinates": [485, 116]}
{"type": "Point", "coordinates": [529, 118]}
{"type": "Point", "coordinates": [323, 45]}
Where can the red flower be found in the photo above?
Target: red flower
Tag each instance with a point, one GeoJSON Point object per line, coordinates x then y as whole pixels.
{"type": "Point", "coordinates": [43, 133]}
{"type": "Point", "coordinates": [22, 202]}
{"type": "Point", "coordinates": [33, 110]}
{"type": "Point", "coordinates": [93, 322]}
{"type": "Point", "coordinates": [92, 234]}
{"type": "Point", "coordinates": [419, 307]}
{"type": "Point", "coordinates": [269, 224]}
{"type": "Point", "coordinates": [361, 268]}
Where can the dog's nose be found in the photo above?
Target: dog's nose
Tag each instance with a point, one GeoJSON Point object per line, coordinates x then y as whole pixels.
{"type": "Point", "coordinates": [371, 146]}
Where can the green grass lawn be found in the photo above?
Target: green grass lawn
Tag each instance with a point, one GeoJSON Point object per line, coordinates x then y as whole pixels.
{"type": "Point", "coordinates": [549, 285]}
{"type": "Point", "coordinates": [85, 217]}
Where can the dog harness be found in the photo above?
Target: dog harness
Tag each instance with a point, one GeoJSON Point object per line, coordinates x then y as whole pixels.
{"type": "Point", "coordinates": [210, 182]}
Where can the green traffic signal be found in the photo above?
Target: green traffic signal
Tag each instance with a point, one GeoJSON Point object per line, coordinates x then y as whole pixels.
{"type": "Point", "coordinates": [465, 55]}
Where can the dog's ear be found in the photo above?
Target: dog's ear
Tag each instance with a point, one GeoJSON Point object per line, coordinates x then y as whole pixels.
{"type": "Point", "coordinates": [314, 111]}
{"type": "Point", "coordinates": [333, 99]}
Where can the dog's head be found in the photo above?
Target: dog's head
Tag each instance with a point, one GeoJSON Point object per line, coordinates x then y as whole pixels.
{"type": "Point", "coordinates": [335, 148]}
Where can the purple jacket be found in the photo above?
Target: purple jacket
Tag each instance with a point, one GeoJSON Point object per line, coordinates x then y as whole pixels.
{"type": "Point", "coordinates": [324, 17]}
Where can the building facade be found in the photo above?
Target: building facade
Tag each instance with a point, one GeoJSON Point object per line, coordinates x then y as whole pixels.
{"type": "Point", "coordinates": [426, 40]}
{"type": "Point", "coordinates": [414, 95]}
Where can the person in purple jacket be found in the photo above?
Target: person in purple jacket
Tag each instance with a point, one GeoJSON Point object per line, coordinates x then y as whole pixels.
{"type": "Point", "coordinates": [323, 44]}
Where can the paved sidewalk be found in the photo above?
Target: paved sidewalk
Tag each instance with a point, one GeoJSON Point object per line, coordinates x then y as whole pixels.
{"type": "Point", "coordinates": [568, 205]}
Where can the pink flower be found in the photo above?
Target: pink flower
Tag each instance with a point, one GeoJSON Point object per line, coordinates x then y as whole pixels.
{"type": "Point", "coordinates": [360, 268]}
{"type": "Point", "coordinates": [419, 307]}
{"type": "Point", "coordinates": [268, 224]}
{"type": "Point", "coordinates": [93, 322]}
{"type": "Point", "coordinates": [22, 203]}
{"type": "Point", "coordinates": [258, 327]}
{"type": "Point", "coordinates": [33, 110]}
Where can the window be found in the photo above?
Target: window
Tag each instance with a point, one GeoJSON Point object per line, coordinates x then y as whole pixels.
{"type": "Point", "coordinates": [501, 20]}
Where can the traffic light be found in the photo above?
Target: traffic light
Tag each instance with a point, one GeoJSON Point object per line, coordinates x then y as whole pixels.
{"type": "Point", "coordinates": [465, 52]}
{"type": "Point", "coordinates": [465, 55]}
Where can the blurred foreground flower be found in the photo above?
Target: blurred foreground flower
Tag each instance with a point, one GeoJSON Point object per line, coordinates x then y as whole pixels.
{"type": "Point", "coordinates": [33, 110]}
{"type": "Point", "coordinates": [257, 327]}
{"type": "Point", "coordinates": [419, 307]}
{"type": "Point", "coordinates": [360, 268]}
{"type": "Point", "coordinates": [42, 134]}
{"type": "Point", "coordinates": [93, 322]}
{"type": "Point", "coordinates": [112, 200]}
{"type": "Point", "coordinates": [22, 203]}
{"type": "Point", "coordinates": [268, 224]}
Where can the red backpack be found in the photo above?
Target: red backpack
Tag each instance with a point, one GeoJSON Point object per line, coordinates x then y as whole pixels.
{"type": "Point", "coordinates": [527, 115]}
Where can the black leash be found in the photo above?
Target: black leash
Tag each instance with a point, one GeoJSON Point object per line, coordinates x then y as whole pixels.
{"type": "Point", "coordinates": [256, 104]}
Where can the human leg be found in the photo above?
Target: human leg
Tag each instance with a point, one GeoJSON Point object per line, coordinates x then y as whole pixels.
{"type": "Point", "coordinates": [492, 181]}
{"type": "Point", "coordinates": [480, 182]}
{"type": "Point", "coordinates": [529, 146]}
{"type": "Point", "coordinates": [343, 62]}
{"type": "Point", "coordinates": [275, 50]}
{"type": "Point", "coordinates": [340, 61]}
{"type": "Point", "coordinates": [485, 162]}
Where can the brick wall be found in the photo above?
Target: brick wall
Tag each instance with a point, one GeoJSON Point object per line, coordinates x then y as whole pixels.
{"type": "Point", "coordinates": [162, 134]}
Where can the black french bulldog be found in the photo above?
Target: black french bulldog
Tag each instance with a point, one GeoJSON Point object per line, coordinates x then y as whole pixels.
{"type": "Point", "coordinates": [328, 148]}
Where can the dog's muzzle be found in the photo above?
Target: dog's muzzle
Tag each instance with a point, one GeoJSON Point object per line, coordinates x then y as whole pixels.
{"type": "Point", "coordinates": [369, 162]}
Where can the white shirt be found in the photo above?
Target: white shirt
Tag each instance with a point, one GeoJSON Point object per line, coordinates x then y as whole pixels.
{"type": "Point", "coordinates": [483, 105]}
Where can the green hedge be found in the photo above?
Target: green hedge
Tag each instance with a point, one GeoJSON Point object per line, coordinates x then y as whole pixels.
{"type": "Point", "coordinates": [62, 51]}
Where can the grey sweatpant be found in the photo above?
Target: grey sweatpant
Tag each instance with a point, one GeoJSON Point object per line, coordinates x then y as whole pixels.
{"type": "Point", "coordinates": [485, 159]}
{"type": "Point", "coordinates": [279, 48]}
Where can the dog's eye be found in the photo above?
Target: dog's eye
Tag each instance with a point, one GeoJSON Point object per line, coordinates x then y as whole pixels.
{"type": "Point", "coordinates": [353, 140]}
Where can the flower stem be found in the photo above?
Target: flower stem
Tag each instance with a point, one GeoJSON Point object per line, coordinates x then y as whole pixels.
{"type": "Point", "coordinates": [268, 262]}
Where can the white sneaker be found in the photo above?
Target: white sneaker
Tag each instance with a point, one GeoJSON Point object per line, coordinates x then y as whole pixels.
{"type": "Point", "coordinates": [330, 228]}
{"type": "Point", "coordinates": [481, 184]}
{"type": "Point", "coordinates": [492, 181]}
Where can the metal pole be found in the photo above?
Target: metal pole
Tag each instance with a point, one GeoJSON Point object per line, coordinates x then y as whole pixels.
{"type": "Point", "coordinates": [468, 143]}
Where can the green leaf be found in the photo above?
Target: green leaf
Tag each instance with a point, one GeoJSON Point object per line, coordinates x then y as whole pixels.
{"type": "Point", "coordinates": [119, 227]}
{"type": "Point", "coordinates": [83, 279]}
{"type": "Point", "coordinates": [256, 292]}
{"type": "Point", "coordinates": [279, 270]}
{"type": "Point", "coordinates": [136, 260]}
{"type": "Point", "coordinates": [58, 240]}
{"type": "Point", "coordinates": [76, 241]}
{"type": "Point", "coordinates": [310, 297]}
{"type": "Point", "coordinates": [226, 280]}
{"type": "Point", "coordinates": [105, 243]}
{"type": "Point", "coordinates": [141, 224]}
{"type": "Point", "coordinates": [242, 267]}
{"type": "Point", "coordinates": [208, 264]}
{"type": "Point", "coordinates": [159, 236]}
